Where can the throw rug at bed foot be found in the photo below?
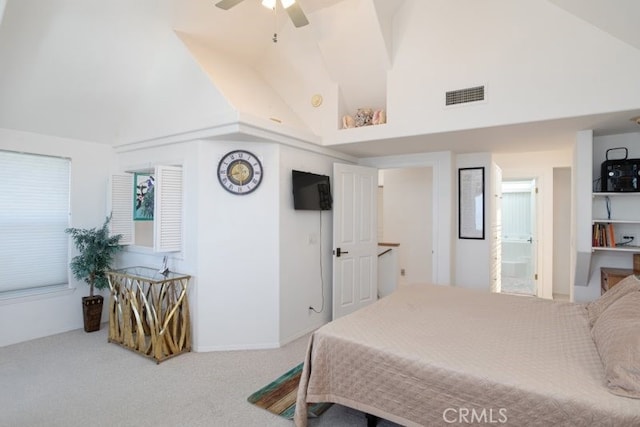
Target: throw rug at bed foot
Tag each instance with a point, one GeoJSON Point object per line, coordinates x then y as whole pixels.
{"type": "Point", "coordinates": [279, 396]}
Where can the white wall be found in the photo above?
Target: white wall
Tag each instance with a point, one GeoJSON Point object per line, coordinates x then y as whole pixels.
{"type": "Point", "coordinates": [472, 256]}
{"type": "Point", "coordinates": [408, 220]}
{"type": "Point", "coordinates": [511, 55]}
{"type": "Point", "coordinates": [254, 260]}
{"type": "Point", "coordinates": [500, 45]}
{"type": "Point", "coordinates": [306, 243]}
{"type": "Point", "coordinates": [100, 71]}
{"type": "Point", "coordinates": [231, 245]}
{"type": "Point", "coordinates": [582, 202]}
{"type": "Point", "coordinates": [561, 231]}
{"type": "Point", "coordinates": [37, 316]}
{"type": "Point", "coordinates": [238, 252]}
{"type": "Point", "coordinates": [244, 88]}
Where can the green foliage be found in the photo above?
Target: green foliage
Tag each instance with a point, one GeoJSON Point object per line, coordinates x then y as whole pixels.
{"type": "Point", "coordinates": [97, 250]}
{"type": "Point", "coordinates": [147, 202]}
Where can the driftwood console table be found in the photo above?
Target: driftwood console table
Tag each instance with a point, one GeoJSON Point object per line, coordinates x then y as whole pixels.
{"type": "Point", "coordinates": [149, 312]}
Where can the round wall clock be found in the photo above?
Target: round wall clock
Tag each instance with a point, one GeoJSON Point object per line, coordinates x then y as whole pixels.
{"type": "Point", "coordinates": [240, 172]}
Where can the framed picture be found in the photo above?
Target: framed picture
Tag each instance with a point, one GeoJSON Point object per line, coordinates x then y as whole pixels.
{"type": "Point", "coordinates": [471, 203]}
{"type": "Point", "coordinates": [144, 187]}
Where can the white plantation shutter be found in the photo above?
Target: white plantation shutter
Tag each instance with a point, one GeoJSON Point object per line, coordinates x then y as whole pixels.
{"type": "Point", "coordinates": [121, 208]}
{"type": "Point", "coordinates": [167, 216]}
{"type": "Point", "coordinates": [34, 213]}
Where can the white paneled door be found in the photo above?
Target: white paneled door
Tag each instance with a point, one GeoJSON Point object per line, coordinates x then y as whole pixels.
{"type": "Point", "coordinates": [519, 241]}
{"type": "Point", "coordinates": [355, 239]}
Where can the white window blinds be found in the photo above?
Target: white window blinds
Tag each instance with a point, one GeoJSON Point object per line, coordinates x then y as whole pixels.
{"type": "Point", "coordinates": [34, 213]}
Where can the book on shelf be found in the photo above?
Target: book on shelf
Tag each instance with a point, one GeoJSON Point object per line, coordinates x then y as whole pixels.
{"type": "Point", "coordinates": [603, 235]}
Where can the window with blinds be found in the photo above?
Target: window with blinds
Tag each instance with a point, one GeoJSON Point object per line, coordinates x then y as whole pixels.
{"type": "Point", "coordinates": [34, 213]}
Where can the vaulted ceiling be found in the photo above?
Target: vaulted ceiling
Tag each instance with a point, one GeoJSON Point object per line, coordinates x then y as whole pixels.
{"type": "Point", "coordinates": [115, 72]}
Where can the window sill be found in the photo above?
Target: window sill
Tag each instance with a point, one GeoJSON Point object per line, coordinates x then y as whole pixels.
{"type": "Point", "coordinates": [34, 294]}
{"type": "Point", "coordinates": [146, 250]}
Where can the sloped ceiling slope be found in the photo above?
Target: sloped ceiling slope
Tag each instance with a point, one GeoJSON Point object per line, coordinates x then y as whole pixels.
{"type": "Point", "coordinates": [539, 64]}
{"type": "Point", "coordinates": [617, 17]}
{"type": "Point", "coordinates": [99, 71]}
{"type": "Point", "coordinates": [122, 71]}
{"type": "Point", "coordinates": [343, 55]}
{"type": "Point", "coordinates": [243, 87]}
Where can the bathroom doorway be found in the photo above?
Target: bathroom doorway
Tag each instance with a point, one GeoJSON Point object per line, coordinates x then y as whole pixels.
{"type": "Point", "coordinates": [519, 239]}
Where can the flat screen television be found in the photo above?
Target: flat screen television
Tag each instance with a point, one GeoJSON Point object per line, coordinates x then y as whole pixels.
{"type": "Point", "coordinates": [311, 192]}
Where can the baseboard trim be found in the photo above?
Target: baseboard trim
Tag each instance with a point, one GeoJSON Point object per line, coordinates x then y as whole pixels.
{"type": "Point", "coordinates": [234, 347]}
{"type": "Point", "coordinates": [255, 346]}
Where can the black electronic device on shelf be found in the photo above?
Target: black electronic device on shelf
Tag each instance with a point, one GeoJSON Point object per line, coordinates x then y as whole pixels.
{"type": "Point", "coordinates": [620, 175]}
{"type": "Point", "coordinates": [311, 191]}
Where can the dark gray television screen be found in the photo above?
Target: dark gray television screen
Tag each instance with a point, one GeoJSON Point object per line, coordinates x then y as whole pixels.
{"type": "Point", "coordinates": [311, 192]}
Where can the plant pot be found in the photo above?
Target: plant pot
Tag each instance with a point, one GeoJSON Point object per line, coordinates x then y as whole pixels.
{"type": "Point", "coordinates": [92, 312]}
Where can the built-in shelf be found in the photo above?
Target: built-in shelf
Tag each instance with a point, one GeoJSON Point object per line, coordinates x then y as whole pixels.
{"type": "Point", "coordinates": [617, 248]}
{"type": "Point", "coordinates": [615, 221]}
{"type": "Point", "coordinates": [615, 216]}
{"type": "Point", "coordinates": [617, 194]}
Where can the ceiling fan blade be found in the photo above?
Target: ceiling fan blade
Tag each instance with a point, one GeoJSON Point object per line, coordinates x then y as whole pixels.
{"type": "Point", "coordinates": [297, 15]}
{"type": "Point", "coordinates": [228, 4]}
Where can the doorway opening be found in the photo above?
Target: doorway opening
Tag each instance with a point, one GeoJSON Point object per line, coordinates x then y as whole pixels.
{"type": "Point", "coordinates": [405, 218]}
{"type": "Point", "coordinates": [519, 237]}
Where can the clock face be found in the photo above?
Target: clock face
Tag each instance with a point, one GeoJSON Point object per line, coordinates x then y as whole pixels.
{"type": "Point", "coordinates": [240, 172]}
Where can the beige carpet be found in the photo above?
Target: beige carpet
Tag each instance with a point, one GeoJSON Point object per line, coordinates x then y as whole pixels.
{"type": "Point", "coordinates": [78, 379]}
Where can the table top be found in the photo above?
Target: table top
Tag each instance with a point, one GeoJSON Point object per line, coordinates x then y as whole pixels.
{"type": "Point", "coordinates": [618, 271]}
{"type": "Point", "coordinates": [149, 274]}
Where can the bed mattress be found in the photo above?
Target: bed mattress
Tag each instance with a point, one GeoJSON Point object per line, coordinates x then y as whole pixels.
{"type": "Point", "coordinates": [436, 355]}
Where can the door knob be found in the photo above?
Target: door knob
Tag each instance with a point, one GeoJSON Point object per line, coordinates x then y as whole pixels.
{"type": "Point", "coordinates": [340, 252]}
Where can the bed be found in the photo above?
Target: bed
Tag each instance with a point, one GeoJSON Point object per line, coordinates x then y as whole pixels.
{"type": "Point", "coordinates": [440, 355]}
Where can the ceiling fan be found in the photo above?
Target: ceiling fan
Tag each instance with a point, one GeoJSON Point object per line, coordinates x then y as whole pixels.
{"type": "Point", "coordinates": [291, 6]}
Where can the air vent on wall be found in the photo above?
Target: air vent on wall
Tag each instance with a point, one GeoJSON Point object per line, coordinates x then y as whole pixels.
{"type": "Point", "coordinates": [463, 96]}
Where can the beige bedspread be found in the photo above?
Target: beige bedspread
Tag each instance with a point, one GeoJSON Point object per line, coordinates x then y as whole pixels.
{"type": "Point", "coordinates": [428, 355]}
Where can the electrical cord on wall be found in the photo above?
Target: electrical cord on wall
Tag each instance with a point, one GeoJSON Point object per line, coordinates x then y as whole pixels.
{"type": "Point", "coordinates": [628, 239]}
{"type": "Point", "coordinates": [321, 275]}
{"type": "Point", "coordinates": [608, 203]}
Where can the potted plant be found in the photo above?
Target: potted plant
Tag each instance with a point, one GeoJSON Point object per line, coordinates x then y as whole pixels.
{"type": "Point", "coordinates": [96, 252]}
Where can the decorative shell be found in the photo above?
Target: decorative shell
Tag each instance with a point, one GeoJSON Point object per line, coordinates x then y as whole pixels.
{"type": "Point", "coordinates": [348, 122]}
{"type": "Point", "coordinates": [379, 117]}
{"type": "Point", "coordinates": [364, 117]}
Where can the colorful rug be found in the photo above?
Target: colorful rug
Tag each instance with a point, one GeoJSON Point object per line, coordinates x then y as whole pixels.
{"type": "Point", "coordinates": [279, 397]}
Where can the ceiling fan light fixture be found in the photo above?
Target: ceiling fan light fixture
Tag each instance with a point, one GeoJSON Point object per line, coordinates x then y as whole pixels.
{"type": "Point", "coordinates": [269, 4]}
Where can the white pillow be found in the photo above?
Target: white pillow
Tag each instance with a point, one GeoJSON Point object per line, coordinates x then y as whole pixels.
{"type": "Point", "coordinates": [596, 308]}
{"type": "Point", "coordinates": [616, 334]}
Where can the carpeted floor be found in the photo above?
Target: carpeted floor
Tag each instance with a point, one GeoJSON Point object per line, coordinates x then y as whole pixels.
{"type": "Point", "coordinates": [78, 379]}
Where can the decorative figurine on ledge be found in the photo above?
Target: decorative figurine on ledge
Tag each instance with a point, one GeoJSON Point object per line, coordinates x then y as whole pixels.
{"type": "Point", "coordinates": [364, 117]}
{"type": "Point", "coordinates": [164, 269]}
